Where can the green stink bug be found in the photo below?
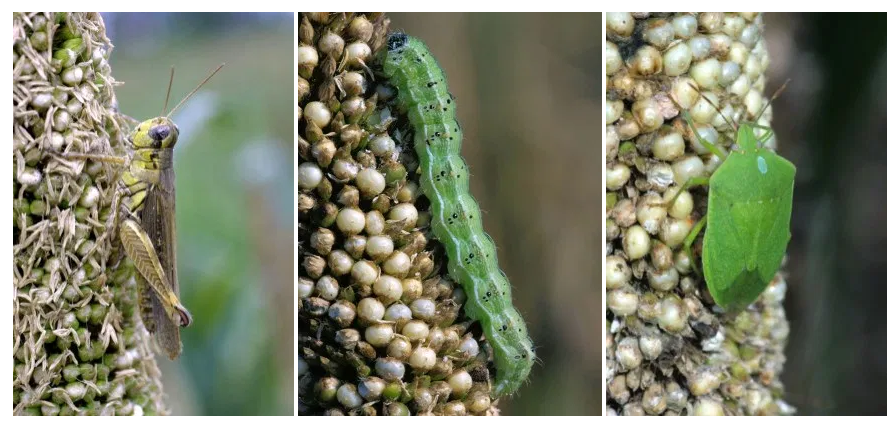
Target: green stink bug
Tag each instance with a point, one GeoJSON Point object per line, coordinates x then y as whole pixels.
{"type": "Point", "coordinates": [748, 215]}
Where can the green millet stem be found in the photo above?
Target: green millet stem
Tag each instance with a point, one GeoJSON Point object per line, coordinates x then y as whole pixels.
{"type": "Point", "coordinates": [669, 350]}
{"type": "Point", "coordinates": [79, 346]}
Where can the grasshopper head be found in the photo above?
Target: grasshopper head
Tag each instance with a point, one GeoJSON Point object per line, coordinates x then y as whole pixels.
{"type": "Point", "coordinates": [157, 133]}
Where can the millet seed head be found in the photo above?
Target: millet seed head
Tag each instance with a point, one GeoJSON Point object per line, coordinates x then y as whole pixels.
{"type": "Point", "coordinates": [669, 350]}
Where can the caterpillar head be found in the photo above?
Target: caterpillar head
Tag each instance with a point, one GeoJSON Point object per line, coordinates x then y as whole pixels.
{"type": "Point", "coordinates": [396, 41]}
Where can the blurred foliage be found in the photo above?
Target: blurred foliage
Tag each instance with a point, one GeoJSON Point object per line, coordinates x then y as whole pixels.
{"type": "Point", "coordinates": [234, 165]}
{"type": "Point", "coordinates": [831, 122]}
{"type": "Point", "coordinates": [528, 89]}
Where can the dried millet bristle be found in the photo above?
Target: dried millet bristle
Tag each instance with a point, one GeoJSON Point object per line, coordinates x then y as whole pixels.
{"type": "Point", "coordinates": [79, 346]}
{"type": "Point", "coordinates": [668, 351]}
{"type": "Point", "coordinates": [380, 327]}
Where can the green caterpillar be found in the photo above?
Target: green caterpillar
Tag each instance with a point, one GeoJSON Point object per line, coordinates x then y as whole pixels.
{"type": "Point", "coordinates": [456, 219]}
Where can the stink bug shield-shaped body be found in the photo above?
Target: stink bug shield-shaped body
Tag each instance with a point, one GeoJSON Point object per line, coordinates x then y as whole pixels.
{"type": "Point", "coordinates": [748, 222]}
{"type": "Point", "coordinates": [748, 218]}
{"type": "Point", "coordinates": [146, 223]}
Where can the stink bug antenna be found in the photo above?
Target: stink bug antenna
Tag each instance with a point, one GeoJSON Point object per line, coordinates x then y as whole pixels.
{"type": "Point", "coordinates": [169, 87]}
{"type": "Point", "coordinates": [774, 96]}
{"type": "Point", "coordinates": [727, 120]}
{"type": "Point", "coordinates": [194, 90]}
{"type": "Point", "coordinates": [710, 147]}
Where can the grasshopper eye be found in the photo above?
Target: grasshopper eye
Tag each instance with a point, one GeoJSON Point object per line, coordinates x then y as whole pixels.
{"type": "Point", "coordinates": [159, 133]}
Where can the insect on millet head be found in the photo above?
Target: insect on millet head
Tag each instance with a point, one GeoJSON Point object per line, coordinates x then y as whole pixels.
{"type": "Point", "coordinates": [396, 41]}
{"type": "Point", "coordinates": [159, 132]}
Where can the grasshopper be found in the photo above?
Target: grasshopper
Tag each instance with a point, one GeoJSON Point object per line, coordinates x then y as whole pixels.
{"type": "Point", "coordinates": [146, 204]}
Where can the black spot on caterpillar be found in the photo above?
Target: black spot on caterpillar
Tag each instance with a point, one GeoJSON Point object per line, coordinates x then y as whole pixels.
{"type": "Point", "coordinates": [456, 219]}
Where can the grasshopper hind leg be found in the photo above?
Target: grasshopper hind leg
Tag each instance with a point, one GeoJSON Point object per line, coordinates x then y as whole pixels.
{"type": "Point", "coordinates": [141, 251]}
{"type": "Point", "coordinates": [162, 313]}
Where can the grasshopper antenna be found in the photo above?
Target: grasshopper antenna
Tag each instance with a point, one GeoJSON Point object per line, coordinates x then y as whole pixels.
{"type": "Point", "coordinates": [195, 90]}
{"type": "Point", "coordinates": [169, 87]}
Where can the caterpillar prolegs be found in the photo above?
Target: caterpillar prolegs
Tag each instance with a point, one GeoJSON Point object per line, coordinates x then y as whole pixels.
{"type": "Point", "coordinates": [456, 219]}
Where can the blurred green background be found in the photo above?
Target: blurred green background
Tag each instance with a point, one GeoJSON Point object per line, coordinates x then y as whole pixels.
{"type": "Point", "coordinates": [528, 89]}
{"type": "Point", "coordinates": [234, 168]}
{"type": "Point", "coordinates": [831, 122]}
